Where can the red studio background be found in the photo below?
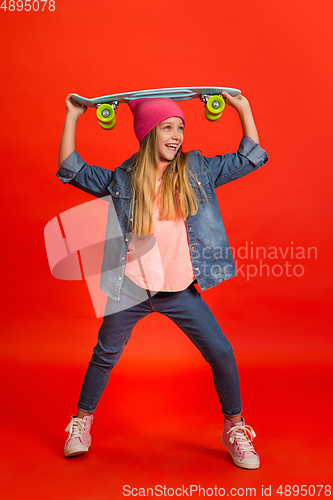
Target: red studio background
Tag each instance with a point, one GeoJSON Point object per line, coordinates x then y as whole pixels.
{"type": "Point", "coordinates": [159, 420]}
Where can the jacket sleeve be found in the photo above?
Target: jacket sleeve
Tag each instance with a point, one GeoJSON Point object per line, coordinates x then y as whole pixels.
{"type": "Point", "coordinates": [229, 167]}
{"type": "Point", "coordinates": [90, 178]}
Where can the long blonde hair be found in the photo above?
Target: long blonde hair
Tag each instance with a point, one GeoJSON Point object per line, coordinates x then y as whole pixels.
{"type": "Point", "coordinates": [175, 186]}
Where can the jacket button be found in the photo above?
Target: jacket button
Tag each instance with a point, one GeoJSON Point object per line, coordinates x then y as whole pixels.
{"type": "Point", "coordinates": [119, 278]}
{"type": "Point", "coordinates": [192, 248]}
{"type": "Point", "coordinates": [117, 193]}
{"type": "Point", "coordinates": [190, 229]}
{"type": "Point", "coordinates": [126, 239]}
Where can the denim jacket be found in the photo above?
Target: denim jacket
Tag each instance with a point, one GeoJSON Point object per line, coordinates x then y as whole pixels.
{"type": "Point", "coordinates": [211, 256]}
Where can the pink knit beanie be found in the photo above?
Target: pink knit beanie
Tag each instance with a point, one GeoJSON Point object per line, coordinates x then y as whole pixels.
{"type": "Point", "coordinates": [148, 113]}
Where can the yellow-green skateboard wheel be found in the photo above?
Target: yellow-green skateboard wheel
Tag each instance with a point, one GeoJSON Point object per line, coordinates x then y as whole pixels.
{"type": "Point", "coordinates": [210, 117]}
{"type": "Point", "coordinates": [108, 126]}
{"type": "Point", "coordinates": [105, 113]}
{"type": "Point", "coordinates": [215, 105]}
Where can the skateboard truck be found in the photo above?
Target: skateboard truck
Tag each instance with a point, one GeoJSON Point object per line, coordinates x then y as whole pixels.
{"type": "Point", "coordinates": [106, 115]}
{"type": "Point", "coordinates": [214, 106]}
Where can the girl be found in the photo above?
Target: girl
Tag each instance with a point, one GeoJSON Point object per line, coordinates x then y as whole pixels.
{"type": "Point", "coordinates": [164, 233]}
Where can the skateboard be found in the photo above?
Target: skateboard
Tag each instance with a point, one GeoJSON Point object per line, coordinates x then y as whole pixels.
{"type": "Point", "coordinates": [107, 105]}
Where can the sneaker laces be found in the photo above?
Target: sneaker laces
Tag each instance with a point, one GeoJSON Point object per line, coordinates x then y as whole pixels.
{"type": "Point", "coordinates": [243, 435]}
{"type": "Point", "coordinates": [75, 427]}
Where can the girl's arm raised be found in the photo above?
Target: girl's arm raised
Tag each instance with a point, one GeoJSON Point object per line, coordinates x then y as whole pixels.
{"type": "Point", "coordinates": [67, 143]}
{"type": "Point", "coordinates": [242, 106]}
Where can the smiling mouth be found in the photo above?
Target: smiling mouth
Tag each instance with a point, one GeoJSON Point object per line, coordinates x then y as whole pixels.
{"type": "Point", "coordinates": [171, 147]}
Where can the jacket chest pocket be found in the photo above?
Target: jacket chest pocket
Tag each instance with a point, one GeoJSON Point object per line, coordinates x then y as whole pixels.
{"type": "Point", "coordinates": [201, 187]}
{"type": "Point", "coordinates": [121, 197]}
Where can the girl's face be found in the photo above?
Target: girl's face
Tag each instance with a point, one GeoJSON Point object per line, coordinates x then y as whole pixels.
{"type": "Point", "coordinates": [170, 136]}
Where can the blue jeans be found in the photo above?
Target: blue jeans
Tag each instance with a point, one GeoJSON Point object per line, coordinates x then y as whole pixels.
{"type": "Point", "coordinates": [188, 311]}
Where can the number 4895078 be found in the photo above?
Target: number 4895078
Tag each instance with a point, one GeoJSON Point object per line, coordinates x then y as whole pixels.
{"type": "Point", "coordinates": [27, 5]}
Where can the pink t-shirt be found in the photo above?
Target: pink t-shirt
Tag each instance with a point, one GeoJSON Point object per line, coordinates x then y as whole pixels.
{"type": "Point", "coordinates": [161, 261]}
